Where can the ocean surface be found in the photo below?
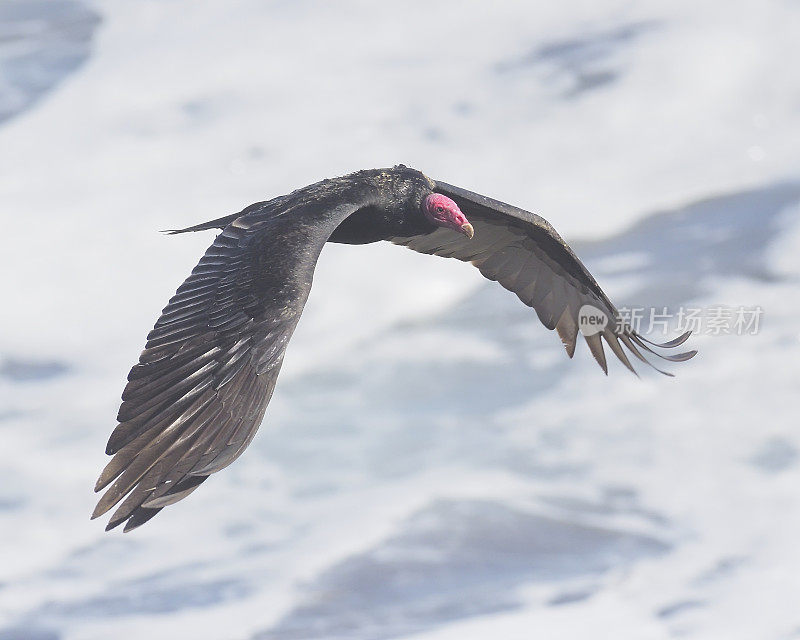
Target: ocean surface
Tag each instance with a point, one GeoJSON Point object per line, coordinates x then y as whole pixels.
{"type": "Point", "coordinates": [432, 465]}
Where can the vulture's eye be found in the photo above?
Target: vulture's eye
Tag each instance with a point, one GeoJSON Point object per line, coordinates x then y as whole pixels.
{"type": "Point", "coordinates": [440, 209]}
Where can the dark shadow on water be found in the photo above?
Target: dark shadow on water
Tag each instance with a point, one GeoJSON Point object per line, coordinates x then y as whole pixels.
{"type": "Point", "coordinates": [175, 590]}
{"type": "Point", "coordinates": [25, 370]}
{"type": "Point", "coordinates": [582, 63]}
{"type": "Point", "coordinates": [28, 633]}
{"type": "Point", "coordinates": [775, 455]}
{"type": "Point", "coordinates": [146, 597]}
{"type": "Point", "coordinates": [677, 608]}
{"type": "Point", "coordinates": [452, 560]}
{"type": "Point", "coordinates": [721, 237]}
{"type": "Point", "coordinates": [41, 43]}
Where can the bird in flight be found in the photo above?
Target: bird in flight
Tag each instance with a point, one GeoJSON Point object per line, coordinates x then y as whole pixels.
{"type": "Point", "coordinates": [198, 394]}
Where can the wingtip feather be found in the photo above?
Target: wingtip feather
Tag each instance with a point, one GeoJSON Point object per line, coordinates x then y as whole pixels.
{"type": "Point", "coordinates": [615, 346]}
{"type": "Point", "coordinates": [675, 342]}
{"type": "Point", "coordinates": [139, 517]}
{"type": "Point", "coordinates": [596, 347]}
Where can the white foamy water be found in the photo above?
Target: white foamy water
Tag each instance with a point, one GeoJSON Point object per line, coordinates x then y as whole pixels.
{"type": "Point", "coordinates": [432, 465]}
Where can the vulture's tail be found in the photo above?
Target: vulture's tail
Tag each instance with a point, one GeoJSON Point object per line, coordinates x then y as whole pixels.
{"type": "Point", "coordinates": [219, 223]}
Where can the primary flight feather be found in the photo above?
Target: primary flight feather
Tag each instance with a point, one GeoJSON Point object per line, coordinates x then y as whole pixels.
{"type": "Point", "coordinates": [202, 384]}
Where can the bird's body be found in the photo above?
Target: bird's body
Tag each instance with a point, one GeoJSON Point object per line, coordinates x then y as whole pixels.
{"type": "Point", "coordinates": [201, 387]}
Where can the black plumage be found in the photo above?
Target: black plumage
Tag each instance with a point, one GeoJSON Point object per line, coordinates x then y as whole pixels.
{"type": "Point", "coordinates": [199, 392]}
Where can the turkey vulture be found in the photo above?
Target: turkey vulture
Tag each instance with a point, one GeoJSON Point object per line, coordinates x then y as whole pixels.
{"type": "Point", "coordinates": [201, 386]}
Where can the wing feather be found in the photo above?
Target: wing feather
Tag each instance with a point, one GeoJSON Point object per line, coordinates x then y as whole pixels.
{"type": "Point", "coordinates": [567, 330]}
{"type": "Point", "coordinates": [198, 394]}
{"type": "Point", "coordinates": [596, 347]}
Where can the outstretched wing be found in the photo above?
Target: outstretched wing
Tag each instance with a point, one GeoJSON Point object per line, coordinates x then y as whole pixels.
{"type": "Point", "coordinates": [199, 392]}
{"type": "Point", "coordinates": [523, 252]}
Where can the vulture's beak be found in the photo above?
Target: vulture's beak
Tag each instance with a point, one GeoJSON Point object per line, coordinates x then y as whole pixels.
{"type": "Point", "coordinates": [467, 230]}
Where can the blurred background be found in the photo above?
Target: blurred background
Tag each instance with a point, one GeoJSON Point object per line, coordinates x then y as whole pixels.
{"type": "Point", "coordinates": [432, 465]}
